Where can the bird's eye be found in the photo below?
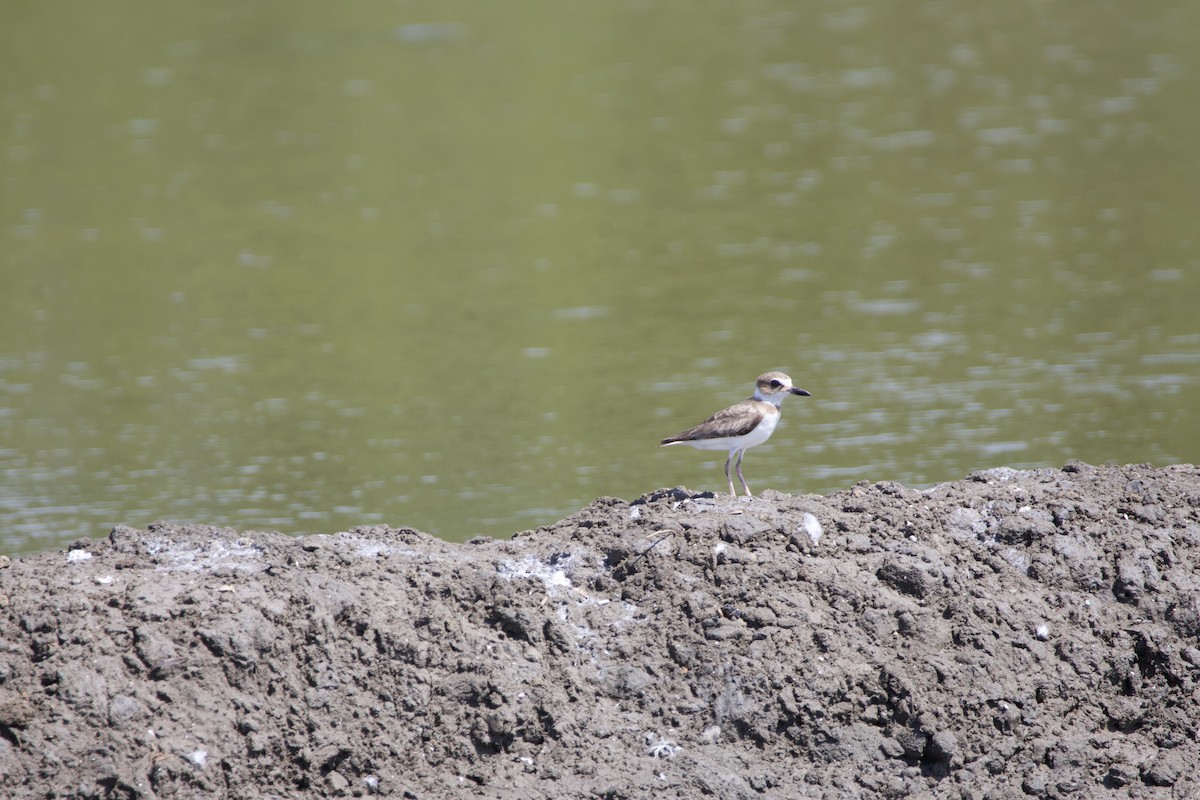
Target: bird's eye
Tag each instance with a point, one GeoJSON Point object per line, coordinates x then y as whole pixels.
{"type": "Point", "coordinates": [775, 384]}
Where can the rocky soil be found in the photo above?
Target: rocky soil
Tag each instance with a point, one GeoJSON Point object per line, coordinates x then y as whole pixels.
{"type": "Point", "coordinates": [1013, 634]}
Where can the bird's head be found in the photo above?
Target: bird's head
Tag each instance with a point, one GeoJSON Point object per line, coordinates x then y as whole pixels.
{"type": "Point", "coordinates": [774, 386]}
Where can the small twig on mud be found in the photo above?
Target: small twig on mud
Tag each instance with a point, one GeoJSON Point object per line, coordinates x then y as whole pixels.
{"type": "Point", "coordinates": [642, 554]}
{"type": "Point", "coordinates": [10, 733]}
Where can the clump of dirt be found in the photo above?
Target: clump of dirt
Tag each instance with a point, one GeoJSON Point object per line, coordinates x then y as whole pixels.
{"type": "Point", "coordinates": [1013, 634]}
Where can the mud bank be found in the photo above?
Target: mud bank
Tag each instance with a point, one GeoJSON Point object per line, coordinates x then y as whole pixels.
{"type": "Point", "coordinates": [1013, 634]}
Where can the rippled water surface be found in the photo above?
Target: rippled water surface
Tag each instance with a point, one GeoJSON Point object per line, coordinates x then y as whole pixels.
{"type": "Point", "coordinates": [459, 266]}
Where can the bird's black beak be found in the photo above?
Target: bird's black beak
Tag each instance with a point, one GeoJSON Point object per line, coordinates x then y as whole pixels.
{"type": "Point", "coordinates": [800, 392]}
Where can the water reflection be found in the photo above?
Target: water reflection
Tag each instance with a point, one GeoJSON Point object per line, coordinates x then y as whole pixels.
{"type": "Point", "coordinates": [305, 270]}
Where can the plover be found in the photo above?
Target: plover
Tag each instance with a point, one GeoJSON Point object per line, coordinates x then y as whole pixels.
{"type": "Point", "coordinates": [743, 425]}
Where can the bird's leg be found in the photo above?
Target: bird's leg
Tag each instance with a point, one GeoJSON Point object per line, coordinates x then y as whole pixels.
{"type": "Point", "coordinates": [740, 476]}
{"type": "Point", "coordinates": [731, 491]}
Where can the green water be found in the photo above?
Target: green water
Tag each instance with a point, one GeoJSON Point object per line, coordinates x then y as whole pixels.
{"type": "Point", "coordinates": [303, 266]}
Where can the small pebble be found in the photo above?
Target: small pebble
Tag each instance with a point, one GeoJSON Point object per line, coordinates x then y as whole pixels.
{"type": "Point", "coordinates": [812, 526]}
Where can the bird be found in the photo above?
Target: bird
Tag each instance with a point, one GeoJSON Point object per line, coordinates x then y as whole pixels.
{"type": "Point", "coordinates": [743, 425]}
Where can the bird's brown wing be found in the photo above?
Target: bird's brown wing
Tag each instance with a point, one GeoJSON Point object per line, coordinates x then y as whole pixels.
{"type": "Point", "coordinates": [737, 420]}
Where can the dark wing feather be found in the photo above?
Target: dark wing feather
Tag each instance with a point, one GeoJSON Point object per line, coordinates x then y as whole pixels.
{"type": "Point", "coordinates": [737, 420]}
